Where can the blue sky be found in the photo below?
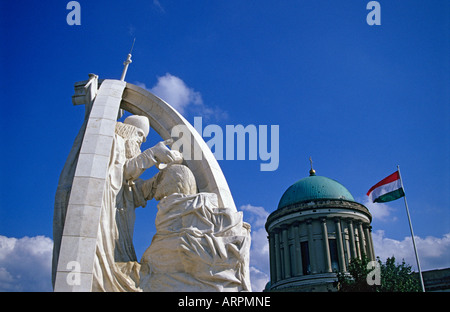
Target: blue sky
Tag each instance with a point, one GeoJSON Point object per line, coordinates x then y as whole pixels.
{"type": "Point", "coordinates": [359, 99]}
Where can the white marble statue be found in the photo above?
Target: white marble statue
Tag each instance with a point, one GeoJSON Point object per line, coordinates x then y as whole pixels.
{"type": "Point", "coordinates": [201, 243]}
{"type": "Point", "coordinates": [116, 267]}
{"type": "Point", "coordinates": [198, 246]}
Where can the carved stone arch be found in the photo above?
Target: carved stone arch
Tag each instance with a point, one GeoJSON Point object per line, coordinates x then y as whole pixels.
{"type": "Point", "coordinates": [80, 190]}
{"type": "Point", "coordinates": [163, 118]}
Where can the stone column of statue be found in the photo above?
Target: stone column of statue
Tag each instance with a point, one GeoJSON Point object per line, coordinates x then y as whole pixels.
{"type": "Point", "coordinates": [198, 246]}
{"type": "Point", "coordinates": [116, 267]}
{"type": "Point", "coordinates": [66, 178]}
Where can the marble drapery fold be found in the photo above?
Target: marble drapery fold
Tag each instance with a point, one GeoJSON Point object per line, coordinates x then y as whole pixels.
{"type": "Point", "coordinates": [198, 246]}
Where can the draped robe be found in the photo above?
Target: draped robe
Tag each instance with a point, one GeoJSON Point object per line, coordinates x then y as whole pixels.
{"type": "Point", "coordinates": [116, 267]}
{"type": "Point", "coordinates": [198, 246]}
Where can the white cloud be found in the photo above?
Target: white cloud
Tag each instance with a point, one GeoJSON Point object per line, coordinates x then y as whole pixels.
{"type": "Point", "coordinates": [379, 211]}
{"type": "Point", "coordinates": [25, 263]}
{"type": "Point", "coordinates": [259, 279]}
{"type": "Point", "coordinates": [257, 215]}
{"type": "Point", "coordinates": [434, 252]}
{"type": "Point", "coordinates": [176, 93]}
{"type": "Point", "coordinates": [259, 251]}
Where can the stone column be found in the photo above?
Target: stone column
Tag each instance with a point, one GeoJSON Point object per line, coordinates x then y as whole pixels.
{"type": "Point", "coordinates": [354, 253]}
{"type": "Point", "coordinates": [326, 246]}
{"type": "Point", "coordinates": [79, 236]}
{"type": "Point", "coordinates": [287, 259]}
{"type": "Point", "coordinates": [346, 242]}
{"type": "Point", "coordinates": [312, 250]}
{"type": "Point", "coordinates": [277, 255]}
{"type": "Point", "coordinates": [340, 244]}
{"type": "Point", "coordinates": [273, 264]}
{"type": "Point", "coordinates": [369, 242]}
{"type": "Point", "coordinates": [297, 251]}
{"type": "Point", "coordinates": [361, 240]}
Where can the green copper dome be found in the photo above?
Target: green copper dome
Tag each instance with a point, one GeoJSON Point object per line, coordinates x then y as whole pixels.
{"type": "Point", "coordinates": [314, 187]}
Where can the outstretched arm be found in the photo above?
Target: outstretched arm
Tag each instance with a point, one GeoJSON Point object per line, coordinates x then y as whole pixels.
{"type": "Point", "coordinates": [159, 153]}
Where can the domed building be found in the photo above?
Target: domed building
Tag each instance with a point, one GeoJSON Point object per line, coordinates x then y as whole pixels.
{"type": "Point", "coordinates": [316, 230]}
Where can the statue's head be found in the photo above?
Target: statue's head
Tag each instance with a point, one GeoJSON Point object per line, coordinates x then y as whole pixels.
{"type": "Point", "coordinates": [173, 179]}
{"type": "Point", "coordinates": [140, 122]}
{"type": "Point", "coordinates": [134, 130]}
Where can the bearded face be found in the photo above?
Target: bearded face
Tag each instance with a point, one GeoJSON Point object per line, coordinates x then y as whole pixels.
{"type": "Point", "coordinates": [132, 148]}
{"type": "Point", "coordinates": [133, 136]}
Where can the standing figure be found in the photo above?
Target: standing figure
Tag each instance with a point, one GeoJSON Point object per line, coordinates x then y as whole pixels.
{"type": "Point", "coordinates": [115, 266]}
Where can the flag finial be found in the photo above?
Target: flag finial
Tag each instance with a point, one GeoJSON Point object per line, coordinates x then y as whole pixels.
{"type": "Point", "coordinates": [312, 172]}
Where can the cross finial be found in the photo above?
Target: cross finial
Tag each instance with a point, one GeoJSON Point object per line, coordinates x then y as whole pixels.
{"type": "Point", "coordinates": [312, 172]}
{"type": "Point", "coordinates": [127, 62]}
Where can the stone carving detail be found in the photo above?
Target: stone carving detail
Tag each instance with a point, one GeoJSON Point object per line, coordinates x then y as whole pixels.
{"type": "Point", "coordinates": [198, 245]}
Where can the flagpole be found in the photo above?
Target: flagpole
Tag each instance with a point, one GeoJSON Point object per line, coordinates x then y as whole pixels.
{"type": "Point", "coordinates": [412, 232]}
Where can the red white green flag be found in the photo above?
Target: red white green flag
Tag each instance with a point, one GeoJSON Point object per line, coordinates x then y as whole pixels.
{"type": "Point", "coordinates": [388, 189]}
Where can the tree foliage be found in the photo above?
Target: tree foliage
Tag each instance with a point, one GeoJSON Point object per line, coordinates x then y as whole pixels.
{"type": "Point", "coordinates": [393, 277]}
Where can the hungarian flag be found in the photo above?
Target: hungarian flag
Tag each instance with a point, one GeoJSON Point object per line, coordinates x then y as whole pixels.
{"type": "Point", "coordinates": [388, 189]}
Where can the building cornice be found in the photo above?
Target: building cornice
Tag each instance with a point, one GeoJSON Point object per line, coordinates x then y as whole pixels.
{"type": "Point", "coordinates": [317, 205]}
